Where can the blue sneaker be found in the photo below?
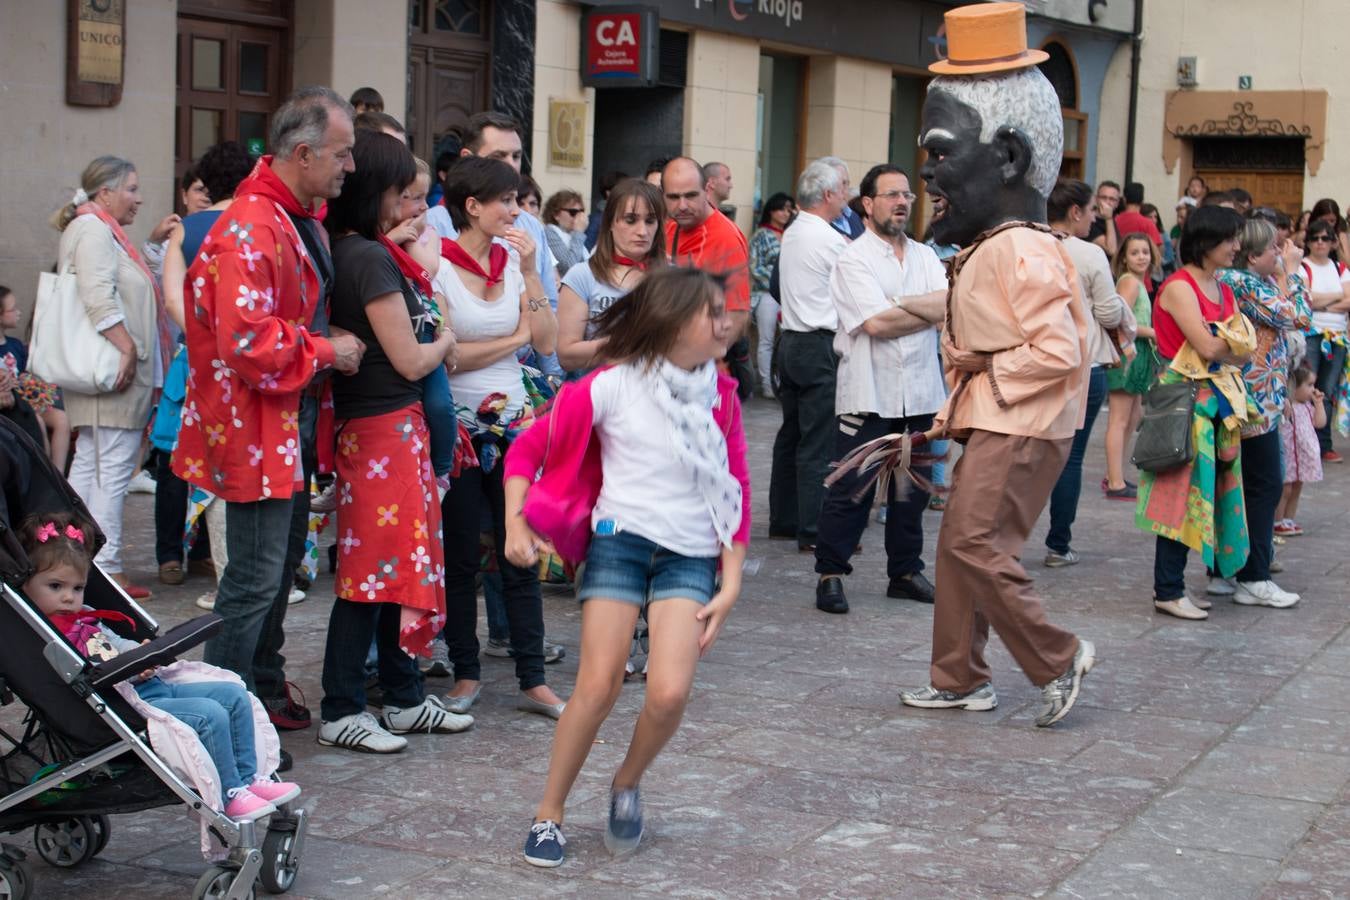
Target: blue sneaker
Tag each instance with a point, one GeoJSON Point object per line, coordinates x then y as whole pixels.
{"type": "Point", "coordinates": [544, 845]}
{"type": "Point", "coordinates": [625, 821]}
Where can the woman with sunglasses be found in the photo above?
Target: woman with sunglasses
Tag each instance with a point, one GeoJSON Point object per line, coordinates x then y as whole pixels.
{"type": "Point", "coordinates": [1326, 279]}
{"type": "Point", "coordinates": [565, 227]}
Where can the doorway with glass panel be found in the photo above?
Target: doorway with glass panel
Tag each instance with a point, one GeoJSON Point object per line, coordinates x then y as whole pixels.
{"type": "Point", "coordinates": [230, 79]}
{"type": "Point", "coordinates": [778, 158]}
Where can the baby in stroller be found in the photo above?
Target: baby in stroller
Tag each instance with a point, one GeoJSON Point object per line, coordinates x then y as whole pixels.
{"type": "Point", "coordinates": [220, 712]}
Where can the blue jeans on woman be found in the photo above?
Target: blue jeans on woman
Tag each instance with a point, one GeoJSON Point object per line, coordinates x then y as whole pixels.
{"type": "Point", "coordinates": [1064, 498]}
{"type": "Point", "coordinates": [1328, 372]}
{"type": "Point", "coordinates": [222, 715]}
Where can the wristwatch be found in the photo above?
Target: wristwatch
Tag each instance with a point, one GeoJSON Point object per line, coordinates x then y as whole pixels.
{"type": "Point", "coordinates": [537, 304]}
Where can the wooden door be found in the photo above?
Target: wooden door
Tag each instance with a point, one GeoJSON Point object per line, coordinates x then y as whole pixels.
{"type": "Point", "coordinates": [1279, 190]}
{"type": "Point", "coordinates": [449, 69]}
{"type": "Point", "coordinates": [230, 79]}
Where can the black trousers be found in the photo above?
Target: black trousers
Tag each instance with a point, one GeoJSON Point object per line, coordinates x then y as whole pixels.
{"type": "Point", "coordinates": [1262, 484]}
{"type": "Point", "coordinates": [461, 523]}
{"type": "Point", "coordinates": [842, 519]}
{"type": "Point", "coordinates": [171, 499]}
{"type": "Point", "coordinates": [802, 450]}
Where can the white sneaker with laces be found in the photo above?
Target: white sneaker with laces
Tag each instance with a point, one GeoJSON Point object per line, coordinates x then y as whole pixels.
{"type": "Point", "coordinates": [1220, 587]}
{"type": "Point", "coordinates": [325, 501]}
{"type": "Point", "coordinates": [296, 596]}
{"type": "Point", "coordinates": [428, 717]}
{"type": "Point", "coordinates": [360, 732]}
{"type": "Point", "coordinates": [1264, 593]}
{"type": "Point", "coordinates": [206, 601]}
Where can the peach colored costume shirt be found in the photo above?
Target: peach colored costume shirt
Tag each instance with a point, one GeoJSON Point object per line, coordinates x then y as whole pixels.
{"type": "Point", "coordinates": [1016, 299]}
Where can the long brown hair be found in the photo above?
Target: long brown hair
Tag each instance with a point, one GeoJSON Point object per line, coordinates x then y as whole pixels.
{"type": "Point", "coordinates": [644, 324]}
{"type": "Point", "coordinates": [1119, 267]}
{"type": "Point", "coordinates": [639, 191]}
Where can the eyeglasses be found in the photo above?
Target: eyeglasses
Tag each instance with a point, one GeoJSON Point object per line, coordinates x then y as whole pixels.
{"type": "Point", "coordinates": [893, 196]}
{"type": "Point", "coordinates": [572, 212]}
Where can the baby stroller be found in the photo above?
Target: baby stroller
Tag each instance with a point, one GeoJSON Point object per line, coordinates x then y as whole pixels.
{"type": "Point", "coordinates": [81, 751]}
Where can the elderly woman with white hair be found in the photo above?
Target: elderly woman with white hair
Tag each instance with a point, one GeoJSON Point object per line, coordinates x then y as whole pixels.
{"type": "Point", "coordinates": [123, 301]}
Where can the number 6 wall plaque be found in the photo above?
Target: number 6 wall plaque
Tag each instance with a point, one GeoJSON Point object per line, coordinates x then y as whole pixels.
{"type": "Point", "coordinates": [95, 52]}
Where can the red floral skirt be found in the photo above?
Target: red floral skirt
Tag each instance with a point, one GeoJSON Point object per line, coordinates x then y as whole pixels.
{"type": "Point", "coordinates": [389, 521]}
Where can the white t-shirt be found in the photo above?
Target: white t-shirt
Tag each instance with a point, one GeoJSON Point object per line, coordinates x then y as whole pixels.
{"type": "Point", "coordinates": [599, 295]}
{"type": "Point", "coordinates": [474, 319]}
{"type": "Point", "coordinates": [810, 247]}
{"type": "Point", "coordinates": [892, 377]}
{"type": "Point", "coordinates": [645, 490]}
{"type": "Point", "coordinates": [1325, 279]}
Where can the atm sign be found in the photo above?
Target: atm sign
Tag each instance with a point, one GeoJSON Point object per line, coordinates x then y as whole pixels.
{"type": "Point", "coordinates": [620, 46]}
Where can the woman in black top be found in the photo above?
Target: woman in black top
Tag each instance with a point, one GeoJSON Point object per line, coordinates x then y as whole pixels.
{"type": "Point", "coordinates": [391, 573]}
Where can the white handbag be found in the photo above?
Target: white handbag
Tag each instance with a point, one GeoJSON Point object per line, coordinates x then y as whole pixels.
{"type": "Point", "coordinates": [66, 350]}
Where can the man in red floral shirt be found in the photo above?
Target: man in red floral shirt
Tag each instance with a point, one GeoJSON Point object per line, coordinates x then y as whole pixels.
{"type": "Point", "coordinates": [255, 341]}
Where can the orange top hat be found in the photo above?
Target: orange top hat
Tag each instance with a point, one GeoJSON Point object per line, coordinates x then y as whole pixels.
{"type": "Point", "coordinates": [987, 37]}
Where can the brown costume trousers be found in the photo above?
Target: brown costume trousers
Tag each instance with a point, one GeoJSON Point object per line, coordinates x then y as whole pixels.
{"type": "Point", "coordinates": [999, 487]}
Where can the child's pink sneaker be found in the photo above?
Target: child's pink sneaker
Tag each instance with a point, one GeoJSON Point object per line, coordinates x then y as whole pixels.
{"type": "Point", "coordinates": [245, 806]}
{"type": "Point", "coordinates": [275, 792]}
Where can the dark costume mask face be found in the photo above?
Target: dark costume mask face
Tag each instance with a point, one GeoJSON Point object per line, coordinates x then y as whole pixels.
{"type": "Point", "coordinates": [974, 185]}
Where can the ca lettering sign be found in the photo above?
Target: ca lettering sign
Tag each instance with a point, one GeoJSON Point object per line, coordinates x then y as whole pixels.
{"type": "Point", "coordinates": [619, 46]}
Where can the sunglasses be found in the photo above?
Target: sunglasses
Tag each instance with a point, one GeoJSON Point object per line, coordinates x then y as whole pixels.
{"type": "Point", "coordinates": [1322, 238]}
{"type": "Point", "coordinates": [572, 212]}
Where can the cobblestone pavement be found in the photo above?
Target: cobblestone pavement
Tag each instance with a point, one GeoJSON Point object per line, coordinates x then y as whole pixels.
{"type": "Point", "coordinates": [1204, 760]}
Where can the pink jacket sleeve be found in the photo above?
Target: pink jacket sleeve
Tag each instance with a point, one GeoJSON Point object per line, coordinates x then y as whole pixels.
{"type": "Point", "coordinates": [738, 459]}
{"type": "Point", "coordinates": [526, 453]}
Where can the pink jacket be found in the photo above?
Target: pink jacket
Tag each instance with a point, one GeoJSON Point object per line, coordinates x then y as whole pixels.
{"type": "Point", "coordinates": [574, 452]}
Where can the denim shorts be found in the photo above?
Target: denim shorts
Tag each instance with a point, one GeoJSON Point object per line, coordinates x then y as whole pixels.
{"type": "Point", "coordinates": [627, 567]}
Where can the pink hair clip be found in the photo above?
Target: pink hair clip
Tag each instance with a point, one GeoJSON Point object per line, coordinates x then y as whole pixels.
{"type": "Point", "coordinates": [46, 532]}
{"type": "Point", "coordinates": [74, 533]}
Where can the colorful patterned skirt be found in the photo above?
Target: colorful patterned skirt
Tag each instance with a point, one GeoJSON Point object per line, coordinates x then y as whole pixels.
{"type": "Point", "coordinates": [389, 521]}
{"type": "Point", "coordinates": [1200, 504]}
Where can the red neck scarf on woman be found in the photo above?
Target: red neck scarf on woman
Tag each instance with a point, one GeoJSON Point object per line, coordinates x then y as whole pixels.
{"type": "Point", "coordinates": [161, 314]}
{"type": "Point", "coordinates": [621, 260]}
{"type": "Point", "coordinates": [497, 257]}
{"type": "Point", "coordinates": [772, 227]}
{"type": "Point", "coordinates": [410, 268]}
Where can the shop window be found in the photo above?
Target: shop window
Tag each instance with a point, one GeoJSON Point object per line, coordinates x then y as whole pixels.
{"type": "Point", "coordinates": [779, 133]}
{"type": "Point", "coordinates": [208, 65]}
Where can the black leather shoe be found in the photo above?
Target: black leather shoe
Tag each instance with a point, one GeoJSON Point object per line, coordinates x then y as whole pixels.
{"type": "Point", "coordinates": [911, 587]}
{"type": "Point", "coordinates": [830, 595]}
{"type": "Point", "coordinates": [286, 762]}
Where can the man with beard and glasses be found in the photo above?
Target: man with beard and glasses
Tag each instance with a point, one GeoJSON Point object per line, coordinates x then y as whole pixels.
{"type": "Point", "coordinates": [1017, 356]}
{"type": "Point", "coordinates": [890, 293]}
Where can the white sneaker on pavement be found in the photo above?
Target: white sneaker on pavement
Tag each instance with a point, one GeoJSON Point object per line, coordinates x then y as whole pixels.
{"type": "Point", "coordinates": [1220, 587]}
{"type": "Point", "coordinates": [1264, 593]}
{"type": "Point", "coordinates": [206, 601]}
{"type": "Point", "coordinates": [428, 717]}
{"type": "Point", "coordinates": [326, 500]}
{"type": "Point", "coordinates": [360, 732]}
{"type": "Point", "coordinates": [141, 483]}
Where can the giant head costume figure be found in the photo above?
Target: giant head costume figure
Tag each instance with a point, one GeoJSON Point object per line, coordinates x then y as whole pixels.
{"type": "Point", "coordinates": [992, 126]}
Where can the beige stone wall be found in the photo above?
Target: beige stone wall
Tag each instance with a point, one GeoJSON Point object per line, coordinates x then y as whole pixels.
{"type": "Point", "coordinates": [347, 44]}
{"type": "Point", "coordinates": [45, 144]}
{"type": "Point", "coordinates": [720, 103]}
{"type": "Point", "coordinates": [848, 112]}
{"type": "Point", "coordinates": [1294, 49]}
{"type": "Point", "coordinates": [557, 68]}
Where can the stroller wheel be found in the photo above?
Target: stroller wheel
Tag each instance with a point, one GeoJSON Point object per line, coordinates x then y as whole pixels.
{"type": "Point", "coordinates": [215, 884]}
{"type": "Point", "coordinates": [66, 843]}
{"type": "Point", "coordinates": [15, 883]}
{"type": "Point", "coordinates": [278, 871]}
{"type": "Point", "coordinates": [102, 831]}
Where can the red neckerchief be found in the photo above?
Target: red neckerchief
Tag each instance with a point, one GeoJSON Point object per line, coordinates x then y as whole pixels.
{"type": "Point", "coordinates": [165, 339]}
{"type": "Point", "coordinates": [773, 228]}
{"type": "Point", "coordinates": [497, 258]}
{"type": "Point", "coordinates": [65, 621]}
{"type": "Point", "coordinates": [630, 263]}
{"type": "Point", "coordinates": [262, 180]}
{"type": "Point", "coordinates": [408, 266]}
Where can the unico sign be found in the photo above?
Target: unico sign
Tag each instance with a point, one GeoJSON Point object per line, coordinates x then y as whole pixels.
{"type": "Point", "coordinates": [619, 46]}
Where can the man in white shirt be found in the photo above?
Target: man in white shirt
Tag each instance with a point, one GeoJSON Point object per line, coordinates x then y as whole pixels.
{"type": "Point", "coordinates": [890, 294]}
{"type": "Point", "coordinates": [806, 361]}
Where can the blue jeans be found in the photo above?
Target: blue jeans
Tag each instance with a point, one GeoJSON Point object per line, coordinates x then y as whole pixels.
{"type": "Point", "coordinates": [351, 626]}
{"type": "Point", "coordinates": [626, 566]}
{"type": "Point", "coordinates": [1064, 498]}
{"type": "Point", "coordinates": [221, 714]}
{"type": "Point", "coordinates": [939, 449]}
{"type": "Point", "coordinates": [258, 536]}
{"type": "Point", "coordinates": [439, 406]}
